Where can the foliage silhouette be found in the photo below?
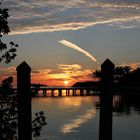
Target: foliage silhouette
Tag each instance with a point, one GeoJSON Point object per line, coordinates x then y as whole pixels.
{"type": "Point", "coordinates": [8, 100]}
{"type": "Point", "coordinates": [7, 52]}
{"type": "Point", "coordinates": [123, 76]}
{"type": "Point", "coordinates": [9, 115]}
{"type": "Point", "coordinates": [8, 110]}
{"type": "Point", "coordinates": [37, 123]}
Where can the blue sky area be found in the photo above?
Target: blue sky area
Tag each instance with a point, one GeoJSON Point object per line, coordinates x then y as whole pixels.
{"type": "Point", "coordinates": [103, 28]}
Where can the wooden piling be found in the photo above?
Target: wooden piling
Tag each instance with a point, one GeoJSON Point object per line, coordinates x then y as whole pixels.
{"type": "Point", "coordinates": [106, 100]}
{"type": "Point", "coordinates": [24, 102]}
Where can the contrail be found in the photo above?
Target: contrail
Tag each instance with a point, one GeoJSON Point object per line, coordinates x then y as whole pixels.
{"type": "Point", "coordinates": [73, 46]}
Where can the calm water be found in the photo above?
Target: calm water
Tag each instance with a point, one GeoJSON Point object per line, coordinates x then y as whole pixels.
{"type": "Point", "coordinates": [77, 118]}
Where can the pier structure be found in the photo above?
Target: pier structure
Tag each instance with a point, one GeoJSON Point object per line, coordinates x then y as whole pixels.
{"type": "Point", "coordinates": [65, 91]}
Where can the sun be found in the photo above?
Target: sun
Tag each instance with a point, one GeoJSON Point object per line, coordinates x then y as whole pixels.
{"type": "Point", "coordinates": [66, 82]}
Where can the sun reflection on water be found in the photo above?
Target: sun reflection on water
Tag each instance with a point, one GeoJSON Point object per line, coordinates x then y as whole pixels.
{"type": "Point", "coordinates": [75, 123]}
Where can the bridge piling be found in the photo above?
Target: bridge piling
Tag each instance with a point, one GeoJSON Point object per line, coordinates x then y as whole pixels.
{"type": "Point", "coordinates": [44, 92]}
{"type": "Point", "coordinates": [60, 92]}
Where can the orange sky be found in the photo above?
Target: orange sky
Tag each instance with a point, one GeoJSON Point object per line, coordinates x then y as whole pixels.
{"type": "Point", "coordinates": [62, 43]}
{"type": "Point", "coordinates": [70, 73]}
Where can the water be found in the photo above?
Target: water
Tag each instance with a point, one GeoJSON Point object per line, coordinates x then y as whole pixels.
{"type": "Point", "coordinates": [77, 118]}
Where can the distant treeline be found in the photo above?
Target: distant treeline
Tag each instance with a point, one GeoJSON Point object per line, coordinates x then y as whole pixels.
{"type": "Point", "coordinates": [86, 84]}
{"type": "Point", "coordinates": [123, 76]}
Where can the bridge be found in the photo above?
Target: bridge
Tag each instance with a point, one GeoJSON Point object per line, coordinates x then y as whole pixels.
{"type": "Point", "coordinates": [78, 91]}
{"type": "Point", "coordinates": [66, 91]}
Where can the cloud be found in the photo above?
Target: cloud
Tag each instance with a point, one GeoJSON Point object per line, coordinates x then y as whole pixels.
{"type": "Point", "coordinates": [72, 73]}
{"type": "Point", "coordinates": [69, 67]}
{"type": "Point", "coordinates": [40, 75]}
{"type": "Point", "coordinates": [53, 15]}
{"type": "Point", "coordinates": [5, 72]}
{"type": "Point", "coordinates": [119, 4]}
{"type": "Point", "coordinates": [124, 22]}
{"type": "Point", "coordinates": [73, 46]}
{"type": "Point", "coordinates": [133, 65]}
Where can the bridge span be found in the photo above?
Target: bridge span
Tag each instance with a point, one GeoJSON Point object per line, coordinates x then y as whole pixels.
{"type": "Point", "coordinates": [65, 91]}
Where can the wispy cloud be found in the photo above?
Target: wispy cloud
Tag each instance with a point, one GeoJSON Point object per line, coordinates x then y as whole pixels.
{"type": "Point", "coordinates": [57, 76]}
{"type": "Point", "coordinates": [69, 67]}
{"type": "Point", "coordinates": [133, 65]}
{"type": "Point", "coordinates": [71, 72]}
{"type": "Point", "coordinates": [75, 73]}
{"type": "Point", "coordinates": [74, 46]}
{"type": "Point", "coordinates": [53, 15]}
{"type": "Point", "coordinates": [6, 72]}
{"type": "Point", "coordinates": [40, 75]}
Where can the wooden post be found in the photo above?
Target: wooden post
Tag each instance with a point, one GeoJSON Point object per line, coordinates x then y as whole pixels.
{"type": "Point", "coordinates": [24, 102]}
{"type": "Point", "coordinates": [106, 100]}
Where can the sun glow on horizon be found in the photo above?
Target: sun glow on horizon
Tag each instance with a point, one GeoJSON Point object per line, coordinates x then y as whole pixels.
{"type": "Point", "coordinates": [66, 82]}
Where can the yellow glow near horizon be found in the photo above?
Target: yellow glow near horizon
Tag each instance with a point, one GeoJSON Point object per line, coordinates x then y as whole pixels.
{"type": "Point", "coordinates": [66, 82]}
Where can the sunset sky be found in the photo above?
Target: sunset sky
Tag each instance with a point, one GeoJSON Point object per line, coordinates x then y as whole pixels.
{"type": "Point", "coordinates": [66, 40]}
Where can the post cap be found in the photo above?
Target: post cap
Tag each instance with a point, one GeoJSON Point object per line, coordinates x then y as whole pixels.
{"type": "Point", "coordinates": [107, 64]}
{"type": "Point", "coordinates": [23, 66]}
